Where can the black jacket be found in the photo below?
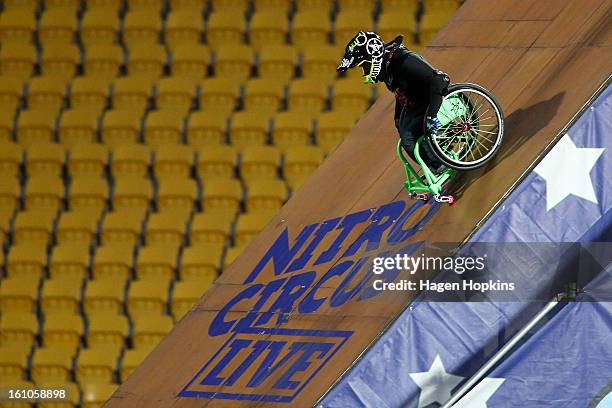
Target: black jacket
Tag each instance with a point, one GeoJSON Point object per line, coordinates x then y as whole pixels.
{"type": "Point", "coordinates": [417, 85]}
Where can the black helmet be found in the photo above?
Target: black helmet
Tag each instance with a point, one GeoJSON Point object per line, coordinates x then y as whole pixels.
{"type": "Point", "coordinates": [364, 47]}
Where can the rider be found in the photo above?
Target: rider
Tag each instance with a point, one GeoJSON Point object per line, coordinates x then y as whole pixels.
{"type": "Point", "coordinates": [418, 86]}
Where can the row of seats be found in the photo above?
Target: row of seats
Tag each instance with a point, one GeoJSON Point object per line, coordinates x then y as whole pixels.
{"type": "Point", "coordinates": [102, 300]}
{"type": "Point", "coordinates": [179, 95]}
{"type": "Point", "coordinates": [31, 230]}
{"type": "Point", "coordinates": [87, 395]}
{"type": "Point", "coordinates": [185, 27]}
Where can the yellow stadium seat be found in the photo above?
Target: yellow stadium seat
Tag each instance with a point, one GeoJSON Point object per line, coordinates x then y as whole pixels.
{"type": "Point", "coordinates": [121, 226]}
{"type": "Point", "coordinates": [249, 128]}
{"type": "Point", "coordinates": [224, 29]}
{"type": "Point", "coordinates": [206, 128]}
{"type": "Point", "coordinates": [307, 96]}
{"type": "Point", "coordinates": [87, 159]}
{"type": "Point", "coordinates": [88, 193]}
{"type": "Point", "coordinates": [150, 329]}
{"type": "Point", "coordinates": [184, 28]}
{"type": "Point", "coordinates": [99, 26]}
{"type": "Point", "coordinates": [78, 126]}
{"type": "Point", "coordinates": [18, 296]}
{"type": "Point", "coordinates": [11, 157]}
{"type": "Point", "coordinates": [13, 363]}
{"type": "Point", "coordinates": [17, 60]}
{"type": "Point", "coordinates": [146, 299]}
{"type": "Point", "coordinates": [332, 127]}
{"type": "Point", "coordinates": [7, 121]}
{"type": "Point", "coordinates": [96, 364]}
{"type": "Point", "coordinates": [107, 330]}
{"type": "Point", "coordinates": [121, 126]}
{"type": "Point", "coordinates": [268, 27]}
{"type": "Point", "coordinates": [348, 96]}
{"type": "Point", "coordinates": [177, 194]}
{"type": "Point", "coordinates": [260, 162]}
{"type": "Point", "coordinates": [9, 195]}
{"type": "Point", "coordinates": [103, 60]}
{"type": "Point", "coordinates": [146, 5]}
{"type": "Point", "coordinates": [45, 159]}
{"type": "Point", "coordinates": [265, 194]}
{"type": "Point", "coordinates": [95, 394]}
{"type": "Point", "coordinates": [130, 159]}
{"type": "Point", "coordinates": [397, 21]}
{"type": "Point", "coordinates": [165, 228]}
{"type": "Point", "coordinates": [50, 364]}
{"type": "Point", "coordinates": [218, 93]}
{"type": "Point", "coordinates": [190, 61]}
{"type": "Point", "coordinates": [146, 60]}
{"type": "Point", "coordinates": [57, 25]}
{"type": "Point", "coordinates": [310, 27]}
{"type": "Point", "coordinates": [291, 129]}
{"type": "Point", "coordinates": [44, 193]}
{"type": "Point", "coordinates": [186, 294]}
{"type": "Point", "coordinates": [264, 5]}
{"type": "Point", "coordinates": [277, 62]}
{"type": "Point", "coordinates": [233, 62]}
{"type": "Point", "coordinates": [132, 93]}
{"type": "Point", "coordinates": [77, 226]}
{"type": "Point", "coordinates": [113, 261]}
{"type": "Point", "coordinates": [60, 295]}
{"type": "Point", "coordinates": [10, 95]}
{"type": "Point", "coordinates": [69, 261]}
{"type": "Point", "coordinates": [132, 359]}
{"type": "Point", "coordinates": [175, 93]}
{"type": "Point", "coordinates": [103, 4]}
{"type": "Point", "coordinates": [231, 6]}
{"type": "Point", "coordinates": [36, 125]}
{"type": "Point", "coordinates": [432, 21]}
{"type": "Point", "coordinates": [6, 216]}
{"type": "Point", "coordinates": [63, 331]}
{"type": "Point", "coordinates": [18, 330]}
{"type": "Point", "coordinates": [320, 62]}
{"type": "Point", "coordinates": [217, 161]}
{"type": "Point", "coordinates": [32, 226]}
{"type": "Point", "coordinates": [357, 5]}
{"type": "Point", "coordinates": [322, 5]}
{"type": "Point", "coordinates": [17, 25]}
{"type": "Point", "coordinates": [263, 95]}
{"type": "Point", "coordinates": [399, 6]}
{"type": "Point", "coordinates": [65, 4]}
{"type": "Point", "coordinates": [250, 224]}
{"type": "Point", "coordinates": [163, 127]}
{"type": "Point", "coordinates": [231, 254]}
{"type": "Point", "coordinates": [104, 296]}
{"type": "Point", "coordinates": [173, 160]}
{"type": "Point", "coordinates": [157, 262]}
{"type": "Point", "coordinates": [209, 227]}
{"type": "Point", "coordinates": [300, 162]}
{"type": "Point", "coordinates": [73, 394]}
{"type": "Point", "coordinates": [89, 92]}
{"type": "Point", "coordinates": [46, 94]}
{"type": "Point", "coordinates": [201, 262]}
{"type": "Point", "coordinates": [222, 194]}
{"type": "Point", "coordinates": [349, 22]}
{"type": "Point", "coordinates": [132, 193]}
{"type": "Point", "coordinates": [28, 5]}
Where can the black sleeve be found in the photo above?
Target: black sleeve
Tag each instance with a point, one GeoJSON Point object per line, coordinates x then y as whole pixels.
{"type": "Point", "coordinates": [398, 112]}
{"type": "Point", "coordinates": [435, 81]}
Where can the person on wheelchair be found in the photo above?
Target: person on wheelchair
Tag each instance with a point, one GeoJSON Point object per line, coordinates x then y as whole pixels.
{"type": "Point", "coordinates": [418, 87]}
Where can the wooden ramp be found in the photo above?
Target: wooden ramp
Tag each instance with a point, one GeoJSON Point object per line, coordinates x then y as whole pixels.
{"type": "Point", "coordinates": [296, 309]}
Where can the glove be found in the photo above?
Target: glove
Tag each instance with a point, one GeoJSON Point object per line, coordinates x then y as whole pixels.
{"type": "Point", "coordinates": [433, 124]}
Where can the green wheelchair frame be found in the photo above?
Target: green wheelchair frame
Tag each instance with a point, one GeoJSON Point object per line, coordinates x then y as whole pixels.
{"type": "Point", "coordinates": [419, 186]}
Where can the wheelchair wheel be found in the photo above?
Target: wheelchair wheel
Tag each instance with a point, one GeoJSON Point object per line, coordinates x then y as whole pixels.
{"type": "Point", "coordinates": [472, 127]}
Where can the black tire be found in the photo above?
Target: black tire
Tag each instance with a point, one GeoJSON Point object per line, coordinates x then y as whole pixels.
{"type": "Point", "coordinates": [457, 164]}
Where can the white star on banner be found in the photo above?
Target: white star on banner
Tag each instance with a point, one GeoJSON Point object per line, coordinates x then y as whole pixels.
{"type": "Point", "coordinates": [436, 384]}
{"type": "Point", "coordinates": [480, 394]}
{"type": "Point", "coordinates": [566, 171]}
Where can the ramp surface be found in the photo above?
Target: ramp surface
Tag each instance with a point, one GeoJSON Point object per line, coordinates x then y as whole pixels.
{"type": "Point", "coordinates": [285, 331]}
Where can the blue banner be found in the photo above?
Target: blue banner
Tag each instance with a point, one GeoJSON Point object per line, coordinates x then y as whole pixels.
{"type": "Point", "coordinates": [433, 347]}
